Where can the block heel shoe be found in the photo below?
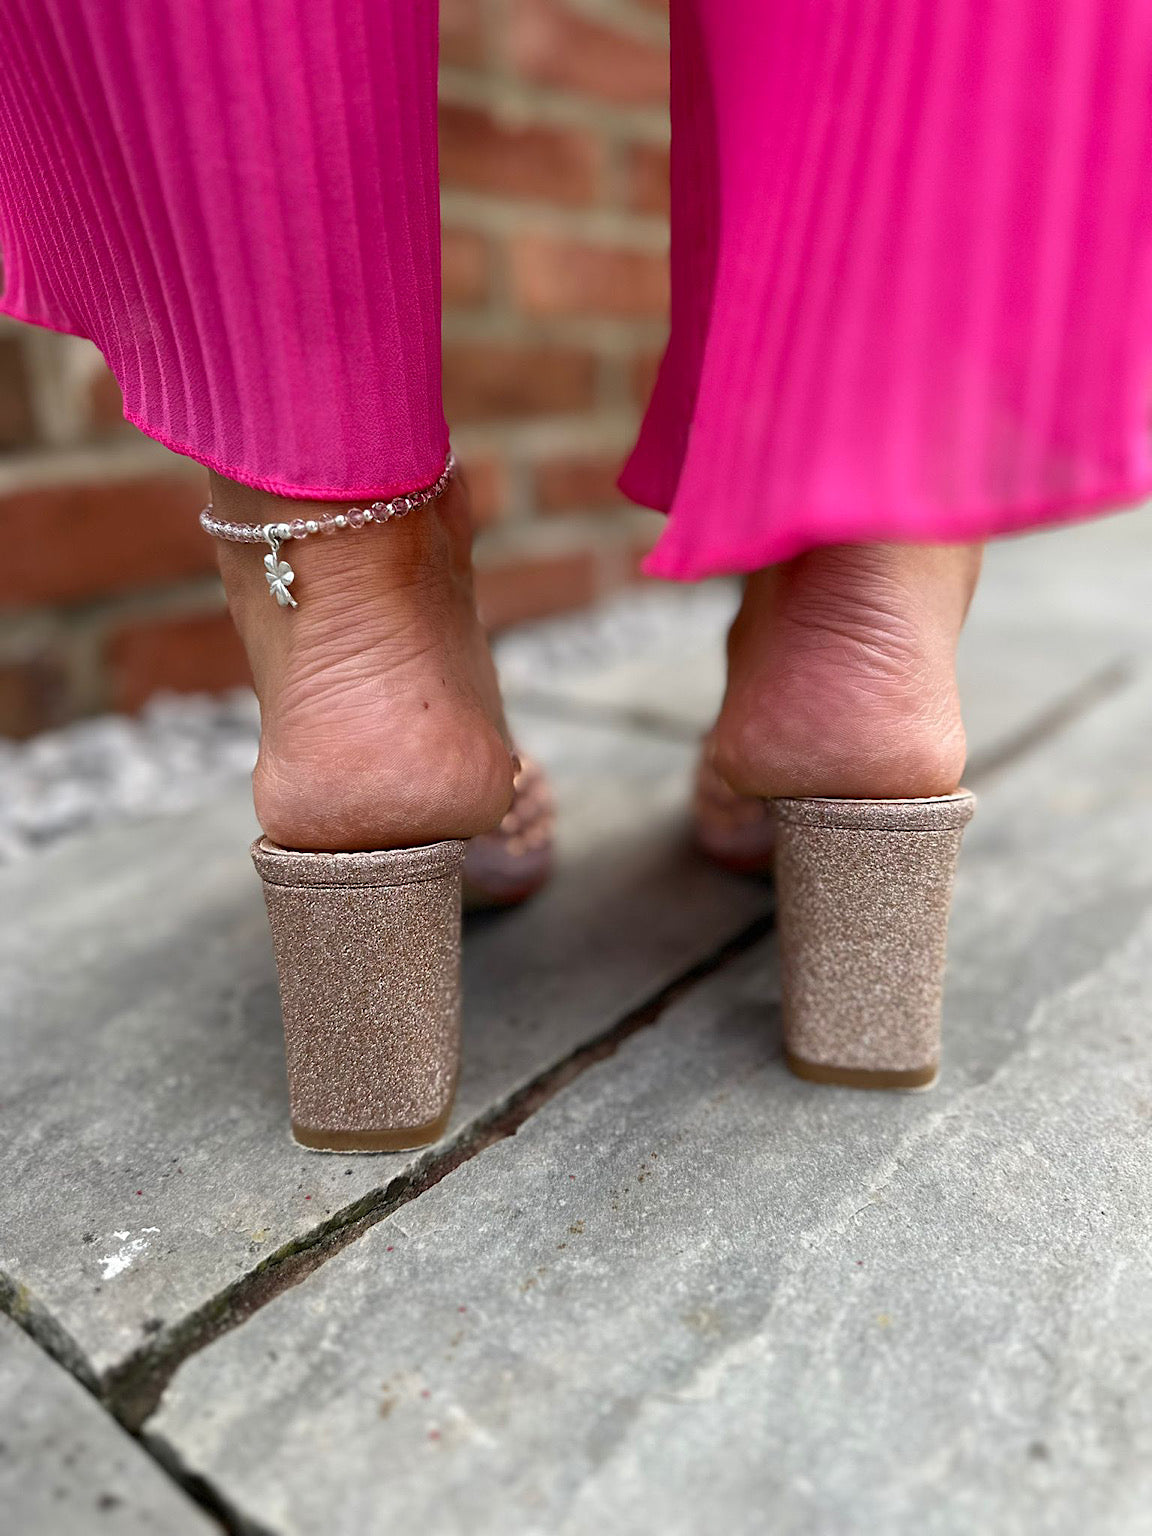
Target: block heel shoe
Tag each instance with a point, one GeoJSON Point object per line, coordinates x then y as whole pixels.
{"type": "Point", "coordinates": [863, 891]}
{"type": "Point", "coordinates": [367, 950]}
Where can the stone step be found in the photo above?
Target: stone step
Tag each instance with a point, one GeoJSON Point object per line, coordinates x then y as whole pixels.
{"type": "Point", "coordinates": [140, 1045]}
{"type": "Point", "coordinates": [146, 1155]}
{"type": "Point", "coordinates": [67, 1468]}
{"type": "Point", "coordinates": [694, 1294]}
{"type": "Point", "coordinates": [152, 1187]}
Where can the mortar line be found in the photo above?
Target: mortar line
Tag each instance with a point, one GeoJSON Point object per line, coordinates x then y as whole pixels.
{"type": "Point", "coordinates": [24, 1309]}
{"type": "Point", "coordinates": [503, 1122]}
{"type": "Point", "coordinates": [131, 1392]}
{"type": "Point", "coordinates": [1095, 689]}
{"type": "Point", "coordinates": [133, 1389]}
{"type": "Point", "coordinates": [20, 1307]}
{"type": "Point", "coordinates": [1066, 710]}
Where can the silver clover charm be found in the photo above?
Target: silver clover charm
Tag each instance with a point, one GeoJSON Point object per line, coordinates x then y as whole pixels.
{"type": "Point", "coordinates": [278, 574]}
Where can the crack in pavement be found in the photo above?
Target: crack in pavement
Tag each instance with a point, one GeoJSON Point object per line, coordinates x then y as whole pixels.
{"type": "Point", "coordinates": [131, 1390]}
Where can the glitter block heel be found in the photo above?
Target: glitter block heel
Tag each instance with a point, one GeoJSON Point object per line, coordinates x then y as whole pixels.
{"type": "Point", "coordinates": [863, 891]}
{"type": "Point", "coordinates": [368, 954]}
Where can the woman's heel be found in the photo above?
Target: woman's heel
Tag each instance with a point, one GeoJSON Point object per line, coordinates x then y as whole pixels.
{"type": "Point", "coordinates": [863, 890]}
{"type": "Point", "coordinates": [368, 954]}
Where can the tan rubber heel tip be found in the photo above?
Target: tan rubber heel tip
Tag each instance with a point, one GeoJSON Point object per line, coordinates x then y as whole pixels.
{"type": "Point", "coordinates": [401, 1138]}
{"type": "Point", "coordinates": [862, 1077]}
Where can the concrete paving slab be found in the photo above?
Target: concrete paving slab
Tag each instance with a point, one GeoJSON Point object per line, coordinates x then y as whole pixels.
{"type": "Point", "coordinates": [1090, 577]}
{"type": "Point", "coordinates": [696, 1295]}
{"type": "Point", "coordinates": [67, 1468]}
{"type": "Point", "coordinates": [652, 655]}
{"type": "Point", "coordinates": [145, 1154]}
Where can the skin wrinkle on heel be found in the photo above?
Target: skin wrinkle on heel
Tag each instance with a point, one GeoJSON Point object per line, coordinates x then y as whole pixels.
{"type": "Point", "coordinates": [864, 890]}
{"type": "Point", "coordinates": [368, 956]}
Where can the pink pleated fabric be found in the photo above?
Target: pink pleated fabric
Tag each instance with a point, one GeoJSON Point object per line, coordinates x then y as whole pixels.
{"type": "Point", "coordinates": [911, 252]}
{"type": "Point", "coordinates": [237, 201]}
{"type": "Point", "coordinates": [912, 274]}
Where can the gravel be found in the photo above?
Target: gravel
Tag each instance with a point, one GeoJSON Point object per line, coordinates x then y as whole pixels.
{"type": "Point", "coordinates": [182, 749]}
{"type": "Point", "coordinates": [178, 753]}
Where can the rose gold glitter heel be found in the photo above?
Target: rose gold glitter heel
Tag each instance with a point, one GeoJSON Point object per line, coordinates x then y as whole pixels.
{"type": "Point", "coordinates": [863, 890]}
{"type": "Point", "coordinates": [368, 953]}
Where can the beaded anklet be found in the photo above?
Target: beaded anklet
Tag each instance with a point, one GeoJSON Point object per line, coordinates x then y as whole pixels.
{"type": "Point", "coordinates": [278, 573]}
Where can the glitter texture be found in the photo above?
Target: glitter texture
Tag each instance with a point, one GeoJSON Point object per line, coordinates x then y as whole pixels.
{"type": "Point", "coordinates": [863, 892]}
{"type": "Point", "coordinates": [368, 953]}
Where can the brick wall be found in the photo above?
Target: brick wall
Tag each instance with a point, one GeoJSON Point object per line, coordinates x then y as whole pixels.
{"type": "Point", "coordinates": [554, 166]}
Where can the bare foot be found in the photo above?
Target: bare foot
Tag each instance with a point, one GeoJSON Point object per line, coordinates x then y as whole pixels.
{"type": "Point", "coordinates": [380, 713]}
{"type": "Point", "coordinates": [841, 675]}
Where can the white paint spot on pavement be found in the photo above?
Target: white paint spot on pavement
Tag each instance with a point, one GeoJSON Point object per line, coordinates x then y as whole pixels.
{"type": "Point", "coordinates": [130, 1250]}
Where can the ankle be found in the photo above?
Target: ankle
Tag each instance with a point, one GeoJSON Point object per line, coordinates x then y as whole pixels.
{"type": "Point", "coordinates": [381, 722]}
{"type": "Point", "coordinates": [370, 567]}
{"type": "Point", "coordinates": [842, 675]}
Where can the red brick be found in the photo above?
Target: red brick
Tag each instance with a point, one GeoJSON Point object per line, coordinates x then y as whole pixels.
{"type": "Point", "coordinates": [648, 187]}
{"type": "Point", "coordinates": [194, 654]}
{"type": "Point", "coordinates": [462, 39]}
{"type": "Point", "coordinates": [574, 484]}
{"type": "Point", "coordinates": [534, 587]}
{"type": "Point", "coordinates": [487, 484]}
{"type": "Point", "coordinates": [568, 277]}
{"type": "Point", "coordinates": [70, 545]}
{"type": "Point", "coordinates": [71, 542]}
{"type": "Point", "coordinates": [467, 268]}
{"type": "Point", "coordinates": [31, 696]}
{"type": "Point", "coordinates": [554, 45]}
{"type": "Point", "coordinates": [485, 381]}
{"type": "Point", "coordinates": [483, 153]}
{"type": "Point", "coordinates": [17, 428]}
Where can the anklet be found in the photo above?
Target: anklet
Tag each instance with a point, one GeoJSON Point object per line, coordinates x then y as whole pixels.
{"type": "Point", "coordinates": [278, 573]}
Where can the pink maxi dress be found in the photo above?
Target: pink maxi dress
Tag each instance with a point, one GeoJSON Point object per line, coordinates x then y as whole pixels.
{"type": "Point", "coordinates": [911, 253]}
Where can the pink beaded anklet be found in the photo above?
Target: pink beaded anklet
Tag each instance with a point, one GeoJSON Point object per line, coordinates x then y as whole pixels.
{"type": "Point", "coordinates": [278, 573]}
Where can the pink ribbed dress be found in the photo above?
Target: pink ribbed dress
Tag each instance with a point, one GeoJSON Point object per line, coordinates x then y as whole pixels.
{"type": "Point", "coordinates": [911, 253]}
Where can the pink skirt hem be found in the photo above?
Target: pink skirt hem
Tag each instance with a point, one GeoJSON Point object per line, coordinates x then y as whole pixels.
{"type": "Point", "coordinates": [975, 526]}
